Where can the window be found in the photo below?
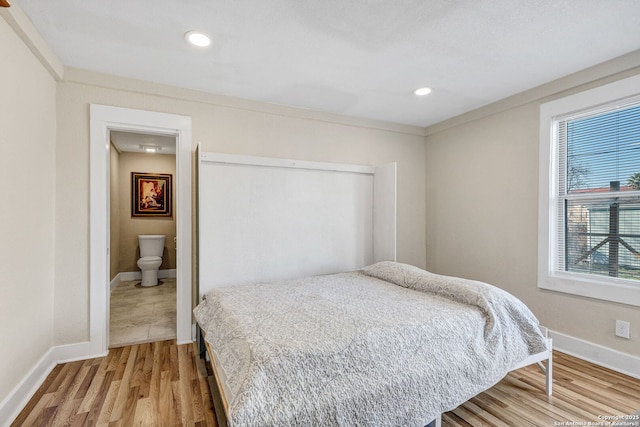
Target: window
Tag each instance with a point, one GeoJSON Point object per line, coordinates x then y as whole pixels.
{"type": "Point", "coordinates": [590, 193]}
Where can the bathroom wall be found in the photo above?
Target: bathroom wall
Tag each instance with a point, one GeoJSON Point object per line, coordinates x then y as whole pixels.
{"type": "Point", "coordinates": [128, 251]}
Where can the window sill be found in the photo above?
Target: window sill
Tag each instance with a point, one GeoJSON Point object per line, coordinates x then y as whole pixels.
{"type": "Point", "coordinates": [603, 289]}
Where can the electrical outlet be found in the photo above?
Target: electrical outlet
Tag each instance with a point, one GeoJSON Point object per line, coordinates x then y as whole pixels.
{"type": "Point", "coordinates": [622, 329]}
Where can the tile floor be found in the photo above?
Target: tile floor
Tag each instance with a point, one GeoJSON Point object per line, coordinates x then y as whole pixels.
{"type": "Point", "coordinates": [140, 314]}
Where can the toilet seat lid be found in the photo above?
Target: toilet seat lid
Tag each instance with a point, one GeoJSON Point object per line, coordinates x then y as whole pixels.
{"type": "Point", "coordinates": [150, 258]}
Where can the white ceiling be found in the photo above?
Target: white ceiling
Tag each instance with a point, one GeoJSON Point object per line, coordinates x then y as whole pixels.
{"type": "Point", "coordinates": [359, 58]}
{"type": "Point", "coordinates": [137, 142]}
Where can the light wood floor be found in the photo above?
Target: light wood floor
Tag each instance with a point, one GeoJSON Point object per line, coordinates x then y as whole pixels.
{"type": "Point", "coordinates": [582, 393]}
{"type": "Point", "coordinates": [142, 314]}
{"type": "Point", "coordinates": [163, 384]}
{"type": "Point", "coordinates": [150, 384]}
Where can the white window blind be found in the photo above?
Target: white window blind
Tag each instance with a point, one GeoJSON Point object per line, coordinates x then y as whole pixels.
{"type": "Point", "coordinates": [599, 191]}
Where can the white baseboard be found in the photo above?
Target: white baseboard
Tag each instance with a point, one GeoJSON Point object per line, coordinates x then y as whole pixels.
{"type": "Point", "coordinates": [124, 276]}
{"type": "Point", "coordinates": [166, 274]}
{"type": "Point", "coordinates": [624, 363]}
{"type": "Point", "coordinates": [115, 282]}
{"type": "Point", "coordinates": [130, 275]}
{"type": "Point", "coordinates": [19, 397]}
{"type": "Point", "coordinates": [74, 352]}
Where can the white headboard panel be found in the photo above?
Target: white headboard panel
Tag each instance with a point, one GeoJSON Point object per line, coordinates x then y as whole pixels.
{"type": "Point", "coordinates": [266, 219]}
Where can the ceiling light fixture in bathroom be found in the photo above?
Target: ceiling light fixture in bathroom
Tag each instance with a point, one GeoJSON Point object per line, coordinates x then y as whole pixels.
{"type": "Point", "coordinates": [150, 148]}
{"type": "Point", "coordinates": [198, 38]}
{"type": "Point", "coordinates": [422, 91]}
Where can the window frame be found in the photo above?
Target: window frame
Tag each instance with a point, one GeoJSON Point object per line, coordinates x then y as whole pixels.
{"type": "Point", "coordinates": [550, 277]}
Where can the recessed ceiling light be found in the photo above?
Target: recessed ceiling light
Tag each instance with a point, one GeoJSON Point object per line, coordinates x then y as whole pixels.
{"type": "Point", "coordinates": [422, 91]}
{"type": "Point", "coordinates": [198, 38]}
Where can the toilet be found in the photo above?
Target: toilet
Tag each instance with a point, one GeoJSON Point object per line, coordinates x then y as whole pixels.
{"type": "Point", "coordinates": [151, 249]}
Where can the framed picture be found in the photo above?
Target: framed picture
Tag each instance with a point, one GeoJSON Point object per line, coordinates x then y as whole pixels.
{"type": "Point", "coordinates": [151, 195]}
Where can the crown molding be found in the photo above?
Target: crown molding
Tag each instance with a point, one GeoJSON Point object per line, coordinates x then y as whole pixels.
{"type": "Point", "coordinates": [144, 87]}
{"type": "Point", "coordinates": [21, 24]}
{"type": "Point", "coordinates": [615, 69]}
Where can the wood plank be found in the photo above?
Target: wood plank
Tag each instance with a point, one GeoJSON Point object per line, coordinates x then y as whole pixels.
{"type": "Point", "coordinates": [167, 404]}
{"type": "Point", "coordinates": [87, 380]}
{"type": "Point", "coordinates": [39, 401]}
{"type": "Point", "coordinates": [138, 370]}
{"type": "Point", "coordinates": [196, 400]}
{"type": "Point", "coordinates": [125, 384]}
{"type": "Point", "coordinates": [32, 415]}
{"type": "Point", "coordinates": [99, 399]}
{"type": "Point", "coordinates": [207, 403]}
{"type": "Point", "coordinates": [68, 406]}
{"type": "Point", "coordinates": [96, 385]}
{"type": "Point", "coordinates": [129, 408]}
{"type": "Point", "coordinates": [144, 415]}
{"type": "Point", "coordinates": [147, 367]}
{"type": "Point", "coordinates": [113, 358]}
{"type": "Point", "coordinates": [61, 375]}
{"type": "Point", "coordinates": [109, 402]}
{"type": "Point", "coordinates": [67, 413]}
{"type": "Point", "coordinates": [121, 363]}
{"type": "Point", "coordinates": [155, 378]}
{"type": "Point", "coordinates": [185, 361]}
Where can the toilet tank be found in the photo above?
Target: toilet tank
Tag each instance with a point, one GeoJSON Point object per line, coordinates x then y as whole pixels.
{"type": "Point", "coordinates": [151, 244]}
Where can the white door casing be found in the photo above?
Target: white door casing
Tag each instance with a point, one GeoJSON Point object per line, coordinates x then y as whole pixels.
{"type": "Point", "coordinates": [103, 120]}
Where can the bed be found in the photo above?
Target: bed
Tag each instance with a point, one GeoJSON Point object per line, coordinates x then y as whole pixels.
{"type": "Point", "coordinates": [385, 345]}
{"type": "Point", "coordinates": [325, 349]}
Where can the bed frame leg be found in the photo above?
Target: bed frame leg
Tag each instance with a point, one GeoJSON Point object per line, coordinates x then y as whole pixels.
{"type": "Point", "coordinates": [548, 373]}
{"type": "Point", "coordinates": [437, 422]}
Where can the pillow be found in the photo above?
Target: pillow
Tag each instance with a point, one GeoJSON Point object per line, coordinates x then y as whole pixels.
{"type": "Point", "coordinates": [404, 275]}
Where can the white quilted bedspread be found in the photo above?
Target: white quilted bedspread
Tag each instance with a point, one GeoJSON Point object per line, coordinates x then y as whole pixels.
{"type": "Point", "coordinates": [389, 345]}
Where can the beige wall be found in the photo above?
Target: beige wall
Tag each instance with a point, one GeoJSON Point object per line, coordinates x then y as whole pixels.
{"type": "Point", "coordinates": [128, 251]}
{"type": "Point", "coordinates": [482, 218]}
{"type": "Point", "coordinates": [27, 216]}
{"type": "Point", "coordinates": [223, 125]}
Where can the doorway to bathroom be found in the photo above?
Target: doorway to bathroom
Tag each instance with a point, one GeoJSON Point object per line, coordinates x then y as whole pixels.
{"type": "Point", "coordinates": [105, 119]}
{"type": "Point", "coordinates": [142, 270]}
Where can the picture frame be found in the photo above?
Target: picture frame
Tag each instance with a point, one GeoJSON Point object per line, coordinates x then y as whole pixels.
{"type": "Point", "coordinates": [151, 195]}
